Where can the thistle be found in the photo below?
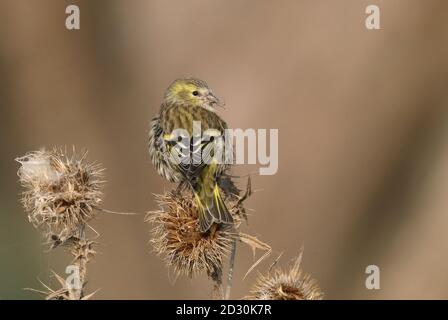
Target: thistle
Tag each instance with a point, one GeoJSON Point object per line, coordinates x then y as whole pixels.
{"type": "Point", "coordinates": [60, 198]}
{"type": "Point", "coordinates": [286, 285]}
{"type": "Point", "coordinates": [177, 237]}
{"type": "Point", "coordinates": [61, 192]}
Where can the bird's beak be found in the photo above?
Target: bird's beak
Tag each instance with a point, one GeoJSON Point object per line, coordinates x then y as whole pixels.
{"type": "Point", "coordinates": [215, 101]}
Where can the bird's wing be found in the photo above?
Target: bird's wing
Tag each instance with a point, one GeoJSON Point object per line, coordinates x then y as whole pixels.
{"type": "Point", "coordinates": [192, 153]}
{"type": "Point", "coordinates": [158, 151]}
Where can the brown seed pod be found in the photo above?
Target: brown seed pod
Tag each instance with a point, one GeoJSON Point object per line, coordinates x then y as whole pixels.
{"type": "Point", "coordinates": [290, 285]}
{"type": "Point", "coordinates": [176, 236]}
{"type": "Point", "coordinates": [61, 191]}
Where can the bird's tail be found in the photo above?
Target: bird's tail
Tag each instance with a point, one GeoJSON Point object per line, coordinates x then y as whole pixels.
{"type": "Point", "coordinates": [212, 208]}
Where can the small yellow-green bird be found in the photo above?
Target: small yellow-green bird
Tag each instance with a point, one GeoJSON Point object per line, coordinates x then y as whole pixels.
{"type": "Point", "coordinates": [188, 100]}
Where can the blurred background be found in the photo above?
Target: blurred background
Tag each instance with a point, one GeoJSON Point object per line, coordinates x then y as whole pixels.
{"type": "Point", "coordinates": [362, 119]}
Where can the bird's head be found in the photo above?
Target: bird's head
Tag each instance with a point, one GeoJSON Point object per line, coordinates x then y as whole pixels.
{"type": "Point", "coordinates": [192, 92]}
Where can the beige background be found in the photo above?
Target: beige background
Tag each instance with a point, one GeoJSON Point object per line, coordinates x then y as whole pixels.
{"type": "Point", "coordinates": [362, 119]}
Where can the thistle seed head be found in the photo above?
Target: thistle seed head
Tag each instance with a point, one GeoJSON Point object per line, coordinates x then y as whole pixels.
{"type": "Point", "coordinates": [177, 239]}
{"type": "Point", "coordinates": [290, 285]}
{"type": "Point", "coordinates": [61, 192]}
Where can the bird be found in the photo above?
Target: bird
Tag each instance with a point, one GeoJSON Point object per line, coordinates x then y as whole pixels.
{"type": "Point", "coordinates": [188, 101]}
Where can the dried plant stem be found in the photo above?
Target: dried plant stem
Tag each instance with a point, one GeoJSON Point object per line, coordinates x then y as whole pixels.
{"type": "Point", "coordinates": [230, 272]}
{"type": "Point", "coordinates": [217, 290]}
{"type": "Point", "coordinates": [80, 251]}
{"type": "Point", "coordinates": [81, 248]}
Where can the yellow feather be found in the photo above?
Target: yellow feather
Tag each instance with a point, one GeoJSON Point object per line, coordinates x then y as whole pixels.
{"type": "Point", "coordinates": [182, 86]}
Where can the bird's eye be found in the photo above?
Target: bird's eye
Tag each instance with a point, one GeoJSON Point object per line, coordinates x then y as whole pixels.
{"type": "Point", "coordinates": [195, 93]}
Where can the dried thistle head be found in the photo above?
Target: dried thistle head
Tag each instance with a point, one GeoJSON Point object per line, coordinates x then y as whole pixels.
{"type": "Point", "coordinates": [290, 285]}
{"type": "Point", "coordinates": [177, 239]}
{"type": "Point", "coordinates": [61, 191]}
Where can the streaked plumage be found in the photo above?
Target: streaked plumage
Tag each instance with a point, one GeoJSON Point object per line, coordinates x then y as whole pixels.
{"type": "Point", "coordinates": [189, 100]}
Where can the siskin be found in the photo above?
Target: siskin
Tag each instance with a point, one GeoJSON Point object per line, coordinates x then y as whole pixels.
{"type": "Point", "coordinates": [189, 101]}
